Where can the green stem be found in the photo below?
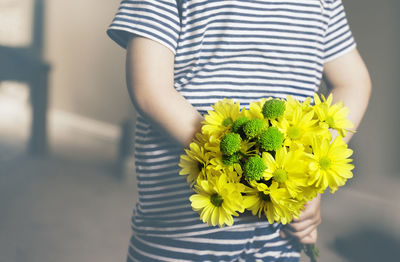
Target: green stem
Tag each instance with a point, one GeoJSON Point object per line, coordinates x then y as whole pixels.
{"type": "Point", "coordinates": [311, 251]}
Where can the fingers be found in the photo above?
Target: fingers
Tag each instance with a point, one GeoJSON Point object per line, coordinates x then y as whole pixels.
{"type": "Point", "coordinates": [311, 238]}
{"type": "Point", "coordinates": [303, 225]}
{"type": "Point", "coordinates": [301, 234]}
{"type": "Point", "coordinates": [302, 229]}
{"type": "Point", "coordinates": [307, 238]}
{"type": "Point", "coordinates": [311, 209]}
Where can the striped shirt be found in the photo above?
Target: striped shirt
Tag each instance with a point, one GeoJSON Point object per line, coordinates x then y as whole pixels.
{"type": "Point", "coordinates": [239, 49]}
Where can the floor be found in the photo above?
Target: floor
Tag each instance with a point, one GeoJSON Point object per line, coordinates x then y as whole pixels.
{"type": "Point", "coordinates": [72, 205]}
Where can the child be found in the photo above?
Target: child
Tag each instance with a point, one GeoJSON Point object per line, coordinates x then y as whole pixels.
{"type": "Point", "coordinates": [182, 57]}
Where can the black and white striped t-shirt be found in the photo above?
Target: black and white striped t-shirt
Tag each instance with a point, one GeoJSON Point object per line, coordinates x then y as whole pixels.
{"type": "Point", "coordinates": [240, 49]}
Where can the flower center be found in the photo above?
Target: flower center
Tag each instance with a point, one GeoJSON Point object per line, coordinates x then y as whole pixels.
{"type": "Point", "coordinates": [294, 132]}
{"type": "Point", "coordinates": [227, 121]}
{"type": "Point", "coordinates": [330, 121]}
{"type": "Point", "coordinates": [325, 162]}
{"type": "Point", "coordinates": [216, 200]}
{"type": "Point", "coordinates": [264, 196]}
{"type": "Point", "coordinates": [280, 175]}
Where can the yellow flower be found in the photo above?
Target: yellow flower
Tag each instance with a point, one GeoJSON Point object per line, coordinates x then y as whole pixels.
{"type": "Point", "coordinates": [233, 172]}
{"type": "Point", "coordinates": [219, 121]}
{"type": "Point", "coordinates": [202, 139]}
{"type": "Point", "coordinates": [256, 199]}
{"type": "Point", "coordinates": [283, 208]}
{"type": "Point", "coordinates": [255, 109]}
{"type": "Point", "coordinates": [276, 203]}
{"type": "Point", "coordinates": [212, 144]}
{"type": "Point", "coordinates": [297, 127]}
{"type": "Point", "coordinates": [333, 116]}
{"type": "Point", "coordinates": [194, 162]}
{"type": "Point", "coordinates": [287, 169]}
{"type": "Point", "coordinates": [217, 200]}
{"type": "Point", "coordinates": [330, 163]}
{"type": "Point", "coordinates": [292, 104]}
{"type": "Point", "coordinates": [248, 148]}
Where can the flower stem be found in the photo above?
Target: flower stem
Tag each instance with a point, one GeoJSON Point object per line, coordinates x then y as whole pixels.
{"type": "Point", "coordinates": [310, 250]}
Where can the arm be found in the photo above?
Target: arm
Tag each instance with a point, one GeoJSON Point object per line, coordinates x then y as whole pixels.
{"type": "Point", "coordinates": [349, 81]}
{"type": "Point", "coordinates": [150, 81]}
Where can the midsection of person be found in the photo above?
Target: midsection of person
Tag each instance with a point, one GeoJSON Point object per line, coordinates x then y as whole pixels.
{"type": "Point", "coordinates": [243, 50]}
{"type": "Point", "coordinates": [227, 49]}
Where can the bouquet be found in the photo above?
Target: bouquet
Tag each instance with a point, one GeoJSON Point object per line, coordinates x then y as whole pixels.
{"type": "Point", "coordinates": [271, 159]}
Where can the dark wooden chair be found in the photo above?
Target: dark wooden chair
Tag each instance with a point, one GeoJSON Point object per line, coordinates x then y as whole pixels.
{"type": "Point", "coordinates": [27, 65]}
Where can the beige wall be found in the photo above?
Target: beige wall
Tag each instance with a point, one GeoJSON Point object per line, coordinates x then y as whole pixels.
{"type": "Point", "coordinates": [375, 25]}
{"type": "Point", "coordinates": [87, 76]}
{"type": "Point", "coordinates": [15, 22]}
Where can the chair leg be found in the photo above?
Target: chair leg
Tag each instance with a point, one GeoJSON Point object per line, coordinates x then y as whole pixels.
{"type": "Point", "coordinates": [38, 93]}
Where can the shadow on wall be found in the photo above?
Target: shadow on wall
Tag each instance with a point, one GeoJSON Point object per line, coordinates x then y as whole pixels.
{"type": "Point", "coordinates": [368, 245]}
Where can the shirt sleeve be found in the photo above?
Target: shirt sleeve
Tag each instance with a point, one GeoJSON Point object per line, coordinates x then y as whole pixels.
{"type": "Point", "coordinates": [156, 20]}
{"type": "Point", "coordinates": [338, 38]}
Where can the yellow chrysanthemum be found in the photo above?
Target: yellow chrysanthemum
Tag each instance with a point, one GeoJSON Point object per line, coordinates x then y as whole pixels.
{"type": "Point", "coordinates": [255, 109]}
{"type": "Point", "coordinates": [287, 169]}
{"type": "Point", "coordinates": [248, 148]}
{"type": "Point", "coordinates": [330, 163]}
{"type": "Point", "coordinates": [292, 103]}
{"type": "Point", "coordinates": [212, 144]}
{"type": "Point", "coordinates": [283, 208]}
{"type": "Point", "coordinates": [202, 139]}
{"type": "Point", "coordinates": [298, 127]}
{"type": "Point", "coordinates": [219, 121]}
{"type": "Point", "coordinates": [233, 172]}
{"type": "Point", "coordinates": [217, 200]}
{"type": "Point", "coordinates": [256, 199]}
{"type": "Point", "coordinates": [193, 163]}
{"type": "Point", "coordinates": [333, 116]}
{"type": "Point", "coordinates": [276, 203]}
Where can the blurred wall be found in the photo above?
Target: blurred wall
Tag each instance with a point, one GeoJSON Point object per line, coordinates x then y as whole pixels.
{"type": "Point", "coordinates": [15, 22]}
{"type": "Point", "coordinates": [375, 25]}
{"type": "Point", "coordinates": [87, 76]}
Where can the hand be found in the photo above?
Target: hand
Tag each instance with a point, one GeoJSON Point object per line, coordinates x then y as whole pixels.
{"type": "Point", "coordinates": [305, 228]}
